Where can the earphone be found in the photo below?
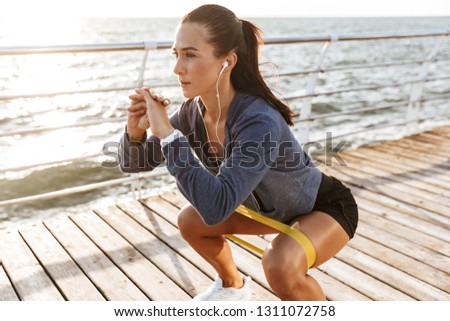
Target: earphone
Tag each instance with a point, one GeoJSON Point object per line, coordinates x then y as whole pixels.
{"type": "Point", "coordinates": [224, 65]}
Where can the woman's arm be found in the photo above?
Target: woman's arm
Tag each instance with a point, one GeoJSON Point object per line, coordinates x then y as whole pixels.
{"type": "Point", "coordinates": [136, 152]}
{"type": "Point", "coordinates": [215, 197]}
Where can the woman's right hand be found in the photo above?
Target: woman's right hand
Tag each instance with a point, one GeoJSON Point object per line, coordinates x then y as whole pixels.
{"type": "Point", "coordinates": [138, 122]}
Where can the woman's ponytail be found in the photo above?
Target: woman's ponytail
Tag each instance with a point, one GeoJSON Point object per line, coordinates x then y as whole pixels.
{"type": "Point", "coordinates": [246, 75]}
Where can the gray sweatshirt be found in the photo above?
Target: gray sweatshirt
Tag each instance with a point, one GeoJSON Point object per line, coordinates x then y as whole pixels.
{"type": "Point", "coordinates": [263, 167]}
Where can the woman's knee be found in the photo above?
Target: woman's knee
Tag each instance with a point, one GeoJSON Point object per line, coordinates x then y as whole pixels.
{"type": "Point", "coordinates": [285, 271]}
{"type": "Point", "coordinates": [187, 220]}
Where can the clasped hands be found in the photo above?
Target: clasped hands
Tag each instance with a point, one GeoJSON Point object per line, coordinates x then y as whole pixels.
{"type": "Point", "coordinates": [147, 110]}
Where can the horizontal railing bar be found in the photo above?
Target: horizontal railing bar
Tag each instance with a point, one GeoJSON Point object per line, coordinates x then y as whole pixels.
{"type": "Point", "coordinates": [73, 125]}
{"type": "Point", "coordinates": [358, 66]}
{"type": "Point", "coordinates": [56, 162]}
{"type": "Point", "coordinates": [420, 120]}
{"type": "Point", "coordinates": [77, 48]}
{"type": "Point", "coordinates": [68, 92]}
{"type": "Point", "coordinates": [357, 37]}
{"type": "Point", "coordinates": [352, 111]}
{"type": "Point", "coordinates": [74, 92]}
{"type": "Point", "coordinates": [368, 87]}
{"type": "Point", "coordinates": [146, 45]}
{"type": "Point", "coordinates": [366, 109]}
{"type": "Point", "coordinates": [83, 188]}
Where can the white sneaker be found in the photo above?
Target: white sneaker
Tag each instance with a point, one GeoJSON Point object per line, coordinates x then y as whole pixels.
{"type": "Point", "coordinates": [218, 293]}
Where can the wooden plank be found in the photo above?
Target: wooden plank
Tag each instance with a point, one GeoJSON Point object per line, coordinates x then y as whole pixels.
{"type": "Point", "coordinates": [398, 205]}
{"type": "Point", "coordinates": [376, 186]}
{"type": "Point", "coordinates": [433, 139]}
{"type": "Point", "coordinates": [443, 131]}
{"type": "Point", "coordinates": [128, 259]}
{"type": "Point", "coordinates": [69, 278]}
{"type": "Point", "coordinates": [109, 280]}
{"type": "Point", "coordinates": [413, 180]}
{"type": "Point", "coordinates": [392, 209]}
{"type": "Point", "coordinates": [399, 261]}
{"type": "Point", "coordinates": [366, 284]}
{"type": "Point", "coordinates": [175, 198]}
{"type": "Point", "coordinates": [401, 163]}
{"type": "Point", "coordinates": [354, 161]}
{"type": "Point", "coordinates": [390, 275]}
{"type": "Point", "coordinates": [404, 246]}
{"type": "Point", "coordinates": [334, 289]}
{"type": "Point", "coordinates": [7, 292]}
{"type": "Point", "coordinates": [420, 148]}
{"type": "Point", "coordinates": [437, 148]}
{"type": "Point", "coordinates": [406, 220]}
{"type": "Point", "coordinates": [395, 202]}
{"type": "Point", "coordinates": [410, 148]}
{"type": "Point", "coordinates": [438, 164]}
{"type": "Point", "coordinates": [26, 274]}
{"type": "Point", "coordinates": [181, 271]}
{"type": "Point", "coordinates": [385, 185]}
{"type": "Point", "coordinates": [168, 233]}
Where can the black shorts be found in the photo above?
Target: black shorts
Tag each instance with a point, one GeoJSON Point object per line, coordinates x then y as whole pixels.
{"type": "Point", "coordinates": [335, 199]}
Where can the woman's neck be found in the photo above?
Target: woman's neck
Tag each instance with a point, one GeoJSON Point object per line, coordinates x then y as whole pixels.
{"type": "Point", "coordinates": [212, 106]}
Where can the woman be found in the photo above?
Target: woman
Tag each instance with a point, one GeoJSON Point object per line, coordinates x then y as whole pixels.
{"type": "Point", "coordinates": [246, 154]}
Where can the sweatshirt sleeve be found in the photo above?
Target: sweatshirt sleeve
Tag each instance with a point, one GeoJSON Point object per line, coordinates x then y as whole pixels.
{"type": "Point", "coordinates": [145, 155]}
{"type": "Point", "coordinates": [216, 197]}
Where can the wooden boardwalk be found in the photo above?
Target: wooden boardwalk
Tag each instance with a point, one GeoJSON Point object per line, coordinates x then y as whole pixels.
{"type": "Point", "coordinates": [133, 251]}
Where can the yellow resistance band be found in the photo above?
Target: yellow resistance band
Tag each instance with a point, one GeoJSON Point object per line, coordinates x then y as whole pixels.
{"type": "Point", "coordinates": [301, 238]}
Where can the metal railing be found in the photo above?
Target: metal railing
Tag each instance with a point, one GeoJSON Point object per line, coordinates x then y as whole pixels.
{"type": "Point", "coordinates": [413, 104]}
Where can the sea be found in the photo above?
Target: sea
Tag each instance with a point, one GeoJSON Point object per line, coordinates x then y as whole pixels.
{"type": "Point", "coordinates": [45, 73]}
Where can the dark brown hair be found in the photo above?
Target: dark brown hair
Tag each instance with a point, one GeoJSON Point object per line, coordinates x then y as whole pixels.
{"type": "Point", "coordinates": [226, 32]}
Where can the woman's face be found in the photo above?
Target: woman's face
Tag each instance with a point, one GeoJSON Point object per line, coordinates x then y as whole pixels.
{"type": "Point", "coordinates": [196, 65]}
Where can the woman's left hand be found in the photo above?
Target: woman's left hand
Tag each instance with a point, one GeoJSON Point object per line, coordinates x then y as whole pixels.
{"type": "Point", "coordinates": [157, 113]}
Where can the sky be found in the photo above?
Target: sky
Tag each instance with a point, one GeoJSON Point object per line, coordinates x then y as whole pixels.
{"type": "Point", "coordinates": [60, 9]}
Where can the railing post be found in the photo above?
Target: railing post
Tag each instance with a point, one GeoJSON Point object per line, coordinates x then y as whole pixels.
{"type": "Point", "coordinates": [412, 114]}
{"type": "Point", "coordinates": [305, 105]}
{"type": "Point", "coordinates": [136, 185]}
{"type": "Point", "coordinates": [148, 45]}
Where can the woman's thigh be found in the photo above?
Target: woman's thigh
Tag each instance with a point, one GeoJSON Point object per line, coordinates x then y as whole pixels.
{"type": "Point", "coordinates": [326, 234]}
{"type": "Point", "coordinates": [191, 221]}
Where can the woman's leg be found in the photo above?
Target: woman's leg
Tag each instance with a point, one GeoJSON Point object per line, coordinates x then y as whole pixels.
{"type": "Point", "coordinates": [210, 243]}
{"type": "Point", "coordinates": [285, 263]}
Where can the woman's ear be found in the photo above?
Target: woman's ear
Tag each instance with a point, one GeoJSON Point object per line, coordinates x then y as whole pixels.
{"type": "Point", "coordinates": [232, 60]}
